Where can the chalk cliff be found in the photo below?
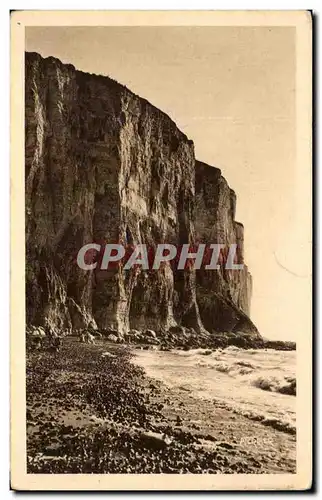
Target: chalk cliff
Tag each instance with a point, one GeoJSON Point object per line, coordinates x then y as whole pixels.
{"type": "Point", "coordinates": [223, 296]}
{"type": "Point", "coordinates": [104, 165]}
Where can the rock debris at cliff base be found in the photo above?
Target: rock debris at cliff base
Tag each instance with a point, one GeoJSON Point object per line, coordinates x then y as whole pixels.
{"type": "Point", "coordinates": [103, 164]}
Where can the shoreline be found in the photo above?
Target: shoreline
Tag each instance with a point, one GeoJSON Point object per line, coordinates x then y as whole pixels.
{"type": "Point", "coordinates": [179, 337]}
{"type": "Point", "coordinates": [90, 412]}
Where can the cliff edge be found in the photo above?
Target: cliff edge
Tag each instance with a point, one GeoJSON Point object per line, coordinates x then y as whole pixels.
{"type": "Point", "coordinates": [103, 164]}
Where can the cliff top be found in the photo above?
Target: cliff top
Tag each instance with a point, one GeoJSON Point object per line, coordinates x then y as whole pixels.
{"type": "Point", "coordinates": [104, 79]}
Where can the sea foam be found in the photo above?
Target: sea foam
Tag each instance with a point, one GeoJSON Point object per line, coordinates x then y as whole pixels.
{"type": "Point", "coordinates": [259, 384]}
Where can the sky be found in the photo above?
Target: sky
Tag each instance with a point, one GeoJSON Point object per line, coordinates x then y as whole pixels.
{"type": "Point", "coordinates": [232, 91]}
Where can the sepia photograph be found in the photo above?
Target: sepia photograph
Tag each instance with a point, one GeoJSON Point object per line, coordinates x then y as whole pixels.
{"type": "Point", "coordinates": [161, 198]}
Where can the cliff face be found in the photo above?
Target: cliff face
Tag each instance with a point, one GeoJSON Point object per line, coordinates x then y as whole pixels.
{"type": "Point", "coordinates": [104, 165]}
{"type": "Point", "coordinates": [223, 296]}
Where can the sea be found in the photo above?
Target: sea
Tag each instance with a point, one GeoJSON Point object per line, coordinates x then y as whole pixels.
{"type": "Point", "coordinates": [258, 384]}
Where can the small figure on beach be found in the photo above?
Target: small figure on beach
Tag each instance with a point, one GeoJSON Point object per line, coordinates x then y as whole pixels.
{"type": "Point", "coordinates": [55, 344]}
{"type": "Point", "coordinates": [86, 337]}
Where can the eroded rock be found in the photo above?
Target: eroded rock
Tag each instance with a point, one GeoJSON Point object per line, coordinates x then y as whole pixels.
{"type": "Point", "coordinates": [104, 165]}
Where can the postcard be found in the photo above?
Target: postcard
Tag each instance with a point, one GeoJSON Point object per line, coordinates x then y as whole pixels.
{"type": "Point", "coordinates": [161, 240]}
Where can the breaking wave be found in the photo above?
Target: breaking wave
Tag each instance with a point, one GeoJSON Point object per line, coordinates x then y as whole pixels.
{"type": "Point", "coordinates": [258, 384]}
{"type": "Point", "coordinates": [263, 376]}
{"type": "Point", "coordinates": [287, 385]}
